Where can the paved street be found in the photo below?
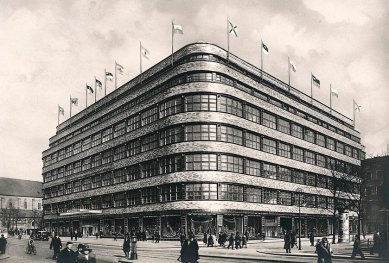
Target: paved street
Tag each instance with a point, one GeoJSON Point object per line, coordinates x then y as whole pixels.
{"type": "Point", "coordinates": [108, 250]}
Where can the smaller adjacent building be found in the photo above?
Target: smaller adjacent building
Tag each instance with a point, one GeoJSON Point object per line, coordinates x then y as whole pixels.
{"type": "Point", "coordinates": [20, 204]}
{"type": "Point", "coordinates": [375, 174]}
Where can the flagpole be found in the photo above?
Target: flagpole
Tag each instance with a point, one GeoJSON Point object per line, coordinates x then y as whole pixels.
{"type": "Point", "coordinates": [86, 95]}
{"type": "Point", "coordinates": [70, 112]}
{"type": "Point", "coordinates": [95, 89]}
{"type": "Point", "coordinates": [115, 75]}
{"type": "Point", "coordinates": [58, 113]}
{"type": "Point", "coordinates": [330, 98]}
{"type": "Point", "coordinates": [289, 72]}
{"type": "Point", "coordinates": [140, 56]}
{"type": "Point", "coordinates": [228, 44]}
{"type": "Point", "coordinates": [261, 50]}
{"type": "Point", "coordinates": [172, 41]}
{"type": "Point", "coordinates": [311, 88]}
{"type": "Point", "coordinates": [354, 113]}
{"type": "Point", "coordinates": [105, 82]}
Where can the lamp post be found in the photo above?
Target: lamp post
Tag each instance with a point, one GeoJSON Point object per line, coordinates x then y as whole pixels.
{"type": "Point", "coordinates": [299, 191]}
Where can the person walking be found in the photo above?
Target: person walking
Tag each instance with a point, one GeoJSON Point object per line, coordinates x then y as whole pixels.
{"type": "Point", "coordinates": [67, 255]}
{"type": "Point", "coordinates": [210, 241]}
{"type": "Point", "coordinates": [114, 236]}
{"type": "Point", "coordinates": [126, 246]}
{"type": "Point", "coordinates": [85, 256]}
{"type": "Point", "coordinates": [190, 250]}
{"type": "Point", "coordinates": [376, 244]}
{"type": "Point", "coordinates": [182, 238]}
{"type": "Point", "coordinates": [231, 241]}
{"type": "Point", "coordinates": [287, 242]}
{"type": "Point", "coordinates": [238, 240]}
{"type": "Point", "coordinates": [75, 235]}
{"type": "Point", "coordinates": [3, 244]}
{"type": "Point", "coordinates": [71, 235]}
{"type": "Point", "coordinates": [357, 248]}
{"type": "Point", "coordinates": [205, 238]}
{"type": "Point", "coordinates": [293, 240]}
{"type": "Point", "coordinates": [312, 239]}
{"type": "Point", "coordinates": [323, 254]}
{"type": "Point", "coordinates": [56, 245]}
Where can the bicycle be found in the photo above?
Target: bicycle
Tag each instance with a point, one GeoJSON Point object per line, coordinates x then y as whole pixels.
{"type": "Point", "coordinates": [31, 249]}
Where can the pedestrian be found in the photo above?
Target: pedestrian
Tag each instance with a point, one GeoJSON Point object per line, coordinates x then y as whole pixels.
{"type": "Point", "coordinates": [114, 236]}
{"type": "Point", "coordinates": [287, 242]}
{"type": "Point", "coordinates": [97, 235]}
{"type": "Point", "coordinates": [205, 238]}
{"type": "Point", "coordinates": [244, 241]}
{"type": "Point", "coordinates": [75, 235]}
{"type": "Point", "coordinates": [190, 250]}
{"type": "Point", "coordinates": [238, 240]}
{"type": "Point", "coordinates": [3, 244]}
{"type": "Point", "coordinates": [357, 248]}
{"type": "Point", "coordinates": [312, 239]}
{"type": "Point", "coordinates": [56, 245]}
{"type": "Point", "coordinates": [157, 236]}
{"type": "Point", "coordinates": [210, 241]}
{"type": "Point", "coordinates": [182, 238]}
{"type": "Point", "coordinates": [376, 244]}
{"type": "Point", "coordinates": [80, 247]}
{"type": "Point", "coordinates": [126, 246]}
{"type": "Point", "coordinates": [231, 241]}
{"type": "Point", "coordinates": [323, 254]}
{"type": "Point", "coordinates": [246, 234]}
{"type": "Point", "coordinates": [67, 255]}
{"type": "Point", "coordinates": [71, 235]}
{"type": "Point", "coordinates": [328, 251]}
{"type": "Point", "coordinates": [85, 256]}
{"type": "Point", "coordinates": [224, 239]}
{"type": "Point", "coordinates": [293, 239]}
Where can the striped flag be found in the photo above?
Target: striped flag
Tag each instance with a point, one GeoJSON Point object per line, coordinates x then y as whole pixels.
{"type": "Point", "coordinates": [120, 68]}
{"type": "Point", "coordinates": [145, 52]}
{"type": "Point", "coordinates": [108, 76]}
{"type": "Point", "coordinates": [89, 89]}
{"type": "Point", "coordinates": [232, 28]}
{"type": "Point", "coordinates": [357, 107]}
{"type": "Point", "coordinates": [99, 84]}
{"type": "Point", "coordinates": [61, 110]}
{"type": "Point", "coordinates": [177, 29]}
{"type": "Point", "coordinates": [74, 101]}
{"type": "Point", "coordinates": [316, 81]}
{"type": "Point", "coordinates": [265, 49]}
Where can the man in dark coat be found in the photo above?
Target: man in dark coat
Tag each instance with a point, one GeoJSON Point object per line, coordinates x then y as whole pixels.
{"type": "Point", "coordinates": [231, 241]}
{"type": "Point", "coordinates": [312, 238]}
{"type": "Point", "coordinates": [190, 250]}
{"type": "Point", "coordinates": [287, 242]}
{"type": "Point", "coordinates": [67, 255]}
{"type": "Point", "coordinates": [357, 248]}
{"type": "Point", "coordinates": [3, 244]}
{"type": "Point", "coordinates": [56, 245]}
{"type": "Point", "coordinates": [238, 240]}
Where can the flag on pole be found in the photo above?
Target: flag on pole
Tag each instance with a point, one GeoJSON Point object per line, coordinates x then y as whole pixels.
{"type": "Point", "coordinates": [265, 49]}
{"type": "Point", "coordinates": [292, 65]}
{"type": "Point", "coordinates": [89, 89]}
{"type": "Point", "coordinates": [120, 68]}
{"type": "Point", "coordinates": [145, 52]}
{"type": "Point", "coordinates": [74, 101]}
{"type": "Point", "coordinates": [316, 81]}
{"type": "Point", "coordinates": [232, 28]}
{"type": "Point", "coordinates": [177, 29]}
{"type": "Point", "coordinates": [108, 76]}
{"type": "Point", "coordinates": [61, 110]}
{"type": "Point", "coordinates": [99, 84]}
{"type": "Point", "coordinates": [334, 92]}
{"type": "Point", "coordinates": [357, 107]}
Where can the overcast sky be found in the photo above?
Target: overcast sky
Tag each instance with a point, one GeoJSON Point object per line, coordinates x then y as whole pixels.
{"type": "Point", "coordinates": [49, 49]}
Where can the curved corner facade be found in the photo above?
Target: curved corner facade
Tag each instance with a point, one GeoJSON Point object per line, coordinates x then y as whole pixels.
{"type": "Point", "coordinates": [204, 145]}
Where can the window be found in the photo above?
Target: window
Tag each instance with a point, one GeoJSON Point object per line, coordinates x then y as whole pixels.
{"type": "Point", "coordinates": [134, 172]}
{"type": "Point", "coordinates": [170, 135]}
{"type": "Point", "coordinates": [107, 179]}
{"type": "Point", "coordinates": [348, 151]}
{"type": "Point", "coordinates": [331, 144]}
{"type": "Point", "coordinates": [86, 203]}
{"type": "Point", "coordinates": [96, 160]}
{"type": "Point", "coordinates": [133, 123]}
{"type": "Point", "coordinates": [171, 192]}
{"type": "Point", "coordinates": [203, 76]}
{"type": "Point", "coordinates": [107, 201]}
{"type": "Point", "coordinates": [77, 167]}
{"type": "Point", "coordinates": [76, 148]}
{"type": "Point", "coordinates": [68, 188]}
{"type": "Point", "coordinates": [119, 129]}
{"type": "Point", "coordinates": [96, 202]}
{"type": "Point", "coordinates": [203, 102]}
{"type": "Point", "coordinates": [86, 143]}
{"type": "Point", "coordinates": [120, 199]}
{"type": "Point", "coordinates": [253, 141]}
{"type": "Point", "coordinates": [253, 167]}
{"type": "Point", "coordinates": [297, 131]}
{"type": "Point", "coordinates": [149, 195]}
{"type": "Point", "coordinates": [253, 114]}
{"type": "Point", "coordinates": [230, 192]}
{"type": "Point", "coordinates": [68, 151]}
{"type": "Point", "coordinates": [269, 196]}
{"type": "Point", "coordinates": [231, 106]}
{"type": "Point", "coordinates": [322, 181]}
{"type": "Point", "coordinates": [309, 200]}
{"type": "Point", "coordinates": [320, 140]}
{"type": "Point", "coordinates": [298, 154]}
{"type": "Point", "coordinates": [96, 139]}
{"type": "Point", "coordinates": [269, 146]}
{"type": "Point", "coordinates": [171, 164]}
{"type": "Point", "coordinates": [355, 153]}
{"type": "Point", "coordinates": [107, 135]}
{"type": "Point", "coordinates": [77, 186]}
{"type": "Point", "coordinates": [310, 157]}
{"type": "Point", "coordinates": [68, 169]}
{"type": "Point", "coordinates": [200, 132]}
{"type": "Point", "coordinates": [284, 174]}
{"type": "Point", "coordinates": [322, 202]}
{"type": "Point", "coordinates": [120, 152]}
{"type": "Point", "coordinates": [232, 135]}
{"type": "Point", "coordinates": [86, 164]}
{"type": "Point", "coordinates": [231, 163]}
{"type": "Point", "coordinates": [170, 107]}
{"type": "Point", "coordinates": [25, 203]}
{"type": "Point", "coordinates": [285, 198]}
{"type": "Point", "coordinates": [201, 162]}
{"type": "Point", "coordinates": [134, 147]}
{"type": "Point", "coordinates": [107, 157]}
{"type": "Point", "coordinates": [311, 179]}
{"type": "Point", "coordinates": [340, 147]}
{"type": "Point", "coordinates": [298, 177]}
{"type": "Point", "coordinates": [87, 184]}
{"type": "Point", "coordinates": [150, 168]}
{"type": "Point", "coordinates": [134, 197]}
{"type": "Point", "coordinates": [253, 195]}
{"type": "Point", "coordinates": [120, 176]}
{"type": "Point", "coordinates": [149, 116]}
{"type": "Point", "coordinates": [283, 126]}
{"type": "Point", "coordinates": [201, 192]}
{"type": "Point", "coordinates": [269, 171]}
{"type": "Point", "coordinates": [61, 172]}
{"type": "Point", "coordinates": [309, 135]}
{"type": "Point", "coordinates": [61, 154]}
{"type": "Point", "coordinates": [269, 120]}
{"type": "Point", "coordinates": [320, 160]}
{"type": "Point", "coordinates": [149, 142]}
{"type": "Point", "coordinates": [284, 150]}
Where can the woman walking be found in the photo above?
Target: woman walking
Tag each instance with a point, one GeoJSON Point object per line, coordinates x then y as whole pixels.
{"type": "Point", "coordinates": [126, 246]}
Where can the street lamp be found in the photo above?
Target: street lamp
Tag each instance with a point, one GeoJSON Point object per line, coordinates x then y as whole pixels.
{"type": "Point", "coordinates": [299, 191]}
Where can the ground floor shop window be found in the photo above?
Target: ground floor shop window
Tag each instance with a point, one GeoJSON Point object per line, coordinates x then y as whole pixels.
{"type": "Point", "coordinates": [202, 224]}
{"type": "Point", "coordinates": [170, 226]}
